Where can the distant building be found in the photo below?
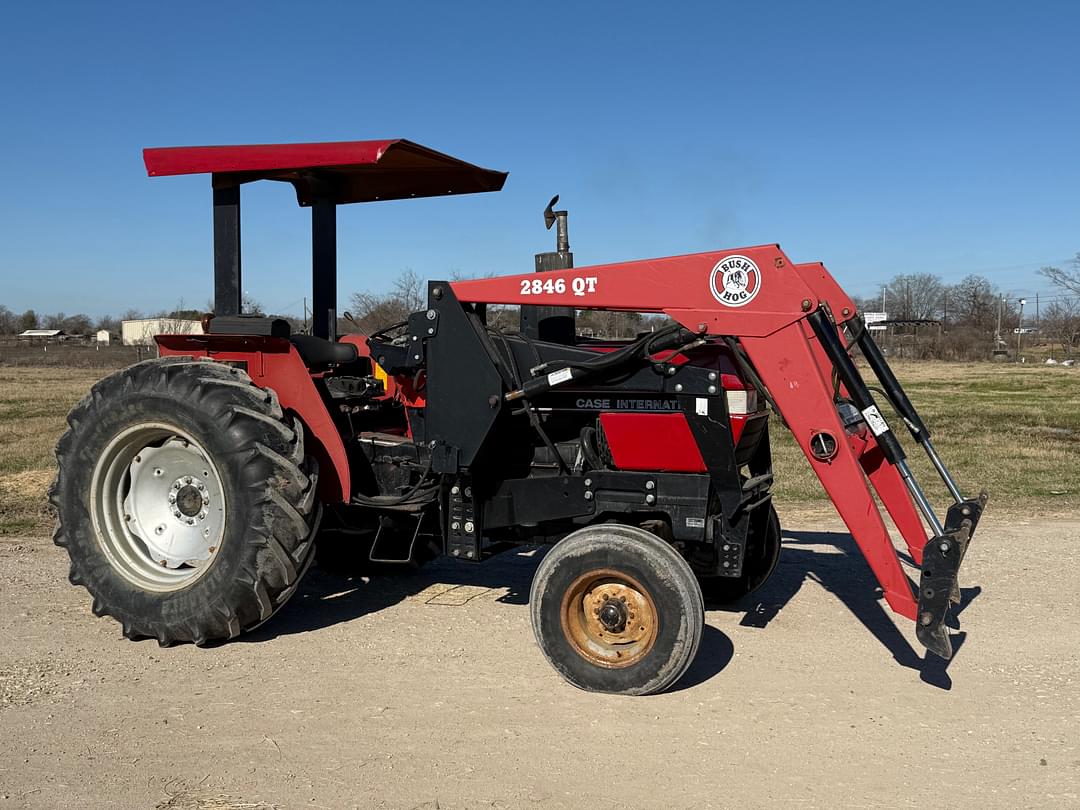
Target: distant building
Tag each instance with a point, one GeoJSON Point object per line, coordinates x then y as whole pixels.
{"type": "Point", "coordinates": [141, 332]}
{"type": "Point", "coordinates": [42, 335]}
{"type": "Point", "coordinates": [104, 337]}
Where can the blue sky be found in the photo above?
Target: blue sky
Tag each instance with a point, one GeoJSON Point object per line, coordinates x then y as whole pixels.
{"type": "Point", "coordinates": [879, 138]}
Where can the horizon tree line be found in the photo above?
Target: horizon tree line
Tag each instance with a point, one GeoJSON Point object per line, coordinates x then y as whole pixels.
{"type": "Point", "coordinates": [968, 312]}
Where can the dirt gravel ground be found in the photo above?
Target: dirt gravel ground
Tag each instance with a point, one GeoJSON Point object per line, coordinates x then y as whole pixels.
{"type": "Point", "coordinates": [427, 691]}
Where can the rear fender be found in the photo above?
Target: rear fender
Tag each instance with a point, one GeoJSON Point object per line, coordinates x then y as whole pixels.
{"type": "Point", "coordinates": [275, 364]}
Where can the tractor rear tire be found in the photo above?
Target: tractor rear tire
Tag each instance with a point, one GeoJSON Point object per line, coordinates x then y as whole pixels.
{"type": "Point", "coordinates": [185, 501]}
{"type": "Point", "coordinates": [616, 609]}
{"type": "Point", "coordinates": [762, 556]}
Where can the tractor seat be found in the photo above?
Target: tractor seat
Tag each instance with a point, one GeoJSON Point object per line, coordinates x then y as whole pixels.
{"type": "Point", "coordinates": [317, 352]}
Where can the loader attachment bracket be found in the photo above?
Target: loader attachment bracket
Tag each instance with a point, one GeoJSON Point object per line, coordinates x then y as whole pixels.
{"type": "Point", "coordinates": [938, 586]}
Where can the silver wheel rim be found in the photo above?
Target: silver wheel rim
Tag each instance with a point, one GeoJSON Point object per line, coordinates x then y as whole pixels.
{"type": "Point", "coordinates": [158, 506]}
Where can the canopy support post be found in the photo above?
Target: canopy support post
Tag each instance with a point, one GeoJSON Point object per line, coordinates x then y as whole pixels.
{"type": "Point", "coordinates": [324, 269]}
{"type": "Point", "coordinates": [227, 296]}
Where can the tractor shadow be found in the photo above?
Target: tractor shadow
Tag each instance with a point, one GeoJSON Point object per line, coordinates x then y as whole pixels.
{"type": "Point", "coordinates": [329, 597]}
{"type": "Point", "coordinates": [842, 571]}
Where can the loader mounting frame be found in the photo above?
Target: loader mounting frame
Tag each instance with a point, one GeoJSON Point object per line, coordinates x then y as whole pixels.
{"type": "Point", "coordinates": [793, 328]}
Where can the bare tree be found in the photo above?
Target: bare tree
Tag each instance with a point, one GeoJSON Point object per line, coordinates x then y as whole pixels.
{"type": "Point", "coordinates": [109, 324]}
{"type": "Point", "coordinates": [914, 296]}
{"type": "Point", "coordinates": [973, 302]}
{"type": "Point", "coordinates": [8, 320]}
{"type": "Point", "coordinates": [374, 311]}
{"type": "Point", "coordinates": [248, 305]}
{"type": "Point", "coordinates": [28, 320]}
{"type": "Point", "coordinates": [1061, 322]}
{"type": "Point", "coordinates": [1066, 279]}
{"type": "Point", "coordinates": [78, 324]}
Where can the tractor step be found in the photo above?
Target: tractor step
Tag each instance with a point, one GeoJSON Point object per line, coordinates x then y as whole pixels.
{"type": "Point", "coordinates": [938, 585]}
{"type": "Point", "coordinates": [463, 536]}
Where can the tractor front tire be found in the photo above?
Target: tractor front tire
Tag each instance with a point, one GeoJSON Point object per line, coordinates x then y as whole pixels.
{"type": "Point", "coordinates": [184, 500]}
{"type": "Point", "coordinates": [616, 609]}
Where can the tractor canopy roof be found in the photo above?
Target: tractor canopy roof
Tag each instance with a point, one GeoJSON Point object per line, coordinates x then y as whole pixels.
{"type": "Point", "coordinates": [339, 173]}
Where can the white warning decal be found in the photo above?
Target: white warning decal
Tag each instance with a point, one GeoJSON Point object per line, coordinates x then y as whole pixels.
{"type": "Point", "coordinates": [875, 420]}
{"type": "Point", "coordinates": [701, 406]}
{"type": "Point", "coordinates": [735, 281]}
{"type": "Point", "coordinates": [560, 376]}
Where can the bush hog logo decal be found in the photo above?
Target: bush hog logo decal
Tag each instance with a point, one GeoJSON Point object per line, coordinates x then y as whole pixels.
{"type": "Point", "coordinates": [735, 281]}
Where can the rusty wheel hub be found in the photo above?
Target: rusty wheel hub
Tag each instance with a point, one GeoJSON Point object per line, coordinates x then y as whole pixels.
{"type": "Point", "coordinates": [609, 618]}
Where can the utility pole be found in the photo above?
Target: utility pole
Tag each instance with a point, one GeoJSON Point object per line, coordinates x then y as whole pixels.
{"type": "Point", "coordinates": [997, 334]}
{"type": "Point", "coordinates": [884, 312]}
{"type": "Point", "coordinates": [1020, 329]}
{"type": "Point", "coordinates": [1036, 312]}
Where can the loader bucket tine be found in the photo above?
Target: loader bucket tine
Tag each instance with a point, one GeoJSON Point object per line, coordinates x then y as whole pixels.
{"type": "Point", "coordinates": [789, 366]}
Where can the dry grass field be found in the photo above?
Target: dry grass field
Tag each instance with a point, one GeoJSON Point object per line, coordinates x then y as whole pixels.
{"type": "Point", "coordinates": [33, 405]}
{"type": "Point", "coordinates": [1012, 429]}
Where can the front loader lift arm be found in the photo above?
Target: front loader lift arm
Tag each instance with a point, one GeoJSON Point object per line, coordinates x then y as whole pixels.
{"type": "Point", "coordinates": [789, 321]}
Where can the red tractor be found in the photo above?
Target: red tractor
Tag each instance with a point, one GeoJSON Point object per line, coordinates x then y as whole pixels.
{"type": "Point", "coordinates": [191, 487]}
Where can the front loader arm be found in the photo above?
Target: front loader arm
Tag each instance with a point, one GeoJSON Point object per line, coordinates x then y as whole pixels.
{"type": "Point", "coordinates": [802, 391]}
{"type": "Point", "coordinates": [789, 322]}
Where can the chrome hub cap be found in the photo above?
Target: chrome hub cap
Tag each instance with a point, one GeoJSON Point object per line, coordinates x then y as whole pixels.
{"type": "Point", "coordinates": [158, 506]}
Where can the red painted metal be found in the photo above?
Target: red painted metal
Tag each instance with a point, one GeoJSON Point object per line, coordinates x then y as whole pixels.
{"type": "Point", "coordinates": [274, 363]}
{"type": "Point", "coordinates": [772, 328]}
{"type": "Point", "coordinates": [654, 441]}
{"type": "Point", "coordinates": [883, 476]}
{"type": "Point", "coordinates": [678, 286]}
{"type": "Point", "coordinates": [781, 345]}
{"type": "Point", "coordinates": [342, 172]}
{"type": "Point", "coordinates": [802, 390]}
